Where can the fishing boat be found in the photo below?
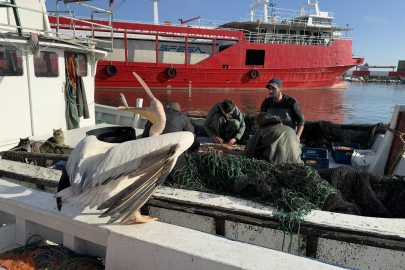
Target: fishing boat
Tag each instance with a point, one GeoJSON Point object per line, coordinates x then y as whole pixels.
{"type": "Point", "coordinates": [303, 48]}
{"type": "Point", "coordinates": [37, 97]}
{"type": "Point", "coordinates": [215, 231]}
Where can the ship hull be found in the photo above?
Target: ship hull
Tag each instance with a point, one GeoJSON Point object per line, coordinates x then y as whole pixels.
{"type": "Point", "coordinates": [298, 66]}
{"type": "Point", "coordinates": [218, 79]}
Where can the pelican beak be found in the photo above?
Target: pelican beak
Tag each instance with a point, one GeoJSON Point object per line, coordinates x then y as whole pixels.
{"type": "Point", "coordinates": [151, 97]}
{"type": "Point", "coordinates": [142, 111]}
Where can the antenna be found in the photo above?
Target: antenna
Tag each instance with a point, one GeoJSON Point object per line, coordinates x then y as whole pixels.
{"type": "Point", "coordinates": [155, 11]}
{"type": "Point", "coordinates": [271, 5]}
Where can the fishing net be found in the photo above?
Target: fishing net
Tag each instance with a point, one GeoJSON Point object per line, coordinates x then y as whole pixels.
{"type": "Point", "coordinates": [293, 189]}
{"type": "Point", "coordinates": [369, 194]}
{"type": "Point", "coordinates": [321, 134]}
{"type": "Point", "coordinates": [39, 256]}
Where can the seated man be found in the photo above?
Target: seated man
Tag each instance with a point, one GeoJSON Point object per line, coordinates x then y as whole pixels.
{"type": "Point", "coordinates": [273, 141]}
{"type": "Point", "coordinates": [225, 122]}
{"type": "Point", "coordinates": [286, 107]}
{"type": "Point", "coordinates": [175, 122]}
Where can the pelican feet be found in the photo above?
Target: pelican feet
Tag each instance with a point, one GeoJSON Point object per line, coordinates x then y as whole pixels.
{"type": "Point", "coordinates": [138, 219]}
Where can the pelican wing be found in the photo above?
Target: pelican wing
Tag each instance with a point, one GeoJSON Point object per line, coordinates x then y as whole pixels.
{"type": "Point", "coordinates": [124, 176]}
{"type": "Point", "coordinates": [156, 168]}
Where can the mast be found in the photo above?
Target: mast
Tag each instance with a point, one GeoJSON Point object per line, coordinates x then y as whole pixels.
{"type": "Point", "coordinates": [155, 11]}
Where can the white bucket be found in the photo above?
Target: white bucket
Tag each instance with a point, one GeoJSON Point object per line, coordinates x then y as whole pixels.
{"type": "Point", "coordinates": [362, 159]}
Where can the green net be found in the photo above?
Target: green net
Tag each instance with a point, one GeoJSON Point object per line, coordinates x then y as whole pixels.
{"type": "Point", "coordinates": [293, 189]}
{"type": "Point", "coordinates": [99, 121]}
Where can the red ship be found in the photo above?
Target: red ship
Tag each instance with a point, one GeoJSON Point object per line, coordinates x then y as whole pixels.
{"type": "Point", "coordinates": [302, 48]}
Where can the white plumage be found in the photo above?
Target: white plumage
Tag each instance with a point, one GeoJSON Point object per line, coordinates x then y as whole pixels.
{"type": "Point", "coordinates": [121, 177]}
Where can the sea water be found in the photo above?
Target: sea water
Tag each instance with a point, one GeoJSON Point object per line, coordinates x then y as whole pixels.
{"type": "Point", "coordinates": [360, 103]}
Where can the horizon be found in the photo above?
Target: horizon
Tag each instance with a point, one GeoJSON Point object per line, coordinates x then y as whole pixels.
{"type": "Point", "coordinates": [374, 35]}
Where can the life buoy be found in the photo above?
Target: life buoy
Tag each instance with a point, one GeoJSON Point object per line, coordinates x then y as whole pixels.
{"type": "Point", "coordinates": [172, 72]}
{"type": "Point", "coordinates": [274, 21]}
{"type": "Point", "coordinates": [254, 74]}
{"type": "Point", "coordinates": [112, 72]}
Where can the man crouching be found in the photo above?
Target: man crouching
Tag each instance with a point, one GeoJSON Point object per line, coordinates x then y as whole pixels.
{"type": "Point", "coordinates": [225, 122]}
{"type": "Point", "coordinates": [273, 141]}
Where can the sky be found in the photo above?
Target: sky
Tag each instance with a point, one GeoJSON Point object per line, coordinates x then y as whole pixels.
{"type": "Point", "coordinates": [379, 25]}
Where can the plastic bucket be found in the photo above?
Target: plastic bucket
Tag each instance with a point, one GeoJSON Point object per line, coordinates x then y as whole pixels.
{"type": "Point", "coordinates": [362, 159]}
{"type": "Point", "coordinates": [113, 134]}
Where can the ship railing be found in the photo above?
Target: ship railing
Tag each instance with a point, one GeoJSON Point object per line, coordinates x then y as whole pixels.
{"type": "Point", "coordinates": [291, 39]}
{"type": "Point", "coordinates": [286, 16]}
{"type": "Point", "coordinates": [84, 41]}
{"type": "Point", "coordinates": [201, 23]}
{"type": "Point", "coordinates": [280, 14]}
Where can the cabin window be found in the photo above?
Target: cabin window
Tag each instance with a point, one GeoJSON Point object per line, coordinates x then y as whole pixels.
{"type": "Point", "coordinates": [46, 65]}
{"type": "Point", "coordinates": [307, 33]}
{"type": "Point", "coordinates": [82, 61]}
{"type": "Point", "coordinates": [10, 61]}
{"type": "Point", "coordinates": [282, 31]}
{"type": "Point", "coordinates": [321, 21]}
{"type": "Point", "coordinates": [222, 45]}
{"type": "Point", "coordinates": [293, 32]}
{"type": "Point", "coordinates": [254, 57]}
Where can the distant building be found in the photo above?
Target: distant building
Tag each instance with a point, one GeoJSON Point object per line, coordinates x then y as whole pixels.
{"type": "Point", "coordinates": [364, 67]}
{"type": "Point", "coordinates": [401, 65]}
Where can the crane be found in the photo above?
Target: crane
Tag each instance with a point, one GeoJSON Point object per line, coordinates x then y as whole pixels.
{"type": "Point", "coordinates": [183, 22]}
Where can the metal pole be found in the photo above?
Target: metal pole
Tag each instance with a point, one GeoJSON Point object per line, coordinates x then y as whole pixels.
{"type": "Point", "coordinates": [139, 103]}
{"type": "Point", "coordinates": [157, 50]}
{"type": "Point", "coordinates": [17, 17]}
{"type": "Point", "coordinates": [112, 29]}
{"type": "Point", "coordinates": [126, 48]}
{"type": "Point", "coordinates": [57, 18]}
{"type": "Point", "coordinates": [186, 51]}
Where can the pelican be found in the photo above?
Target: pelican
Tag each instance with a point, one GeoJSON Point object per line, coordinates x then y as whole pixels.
{"type": "Point", "coordinates": [120, 178]}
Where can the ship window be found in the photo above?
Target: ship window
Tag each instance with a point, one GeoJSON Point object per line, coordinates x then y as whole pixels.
{"type": "Point", "coordinates": [10, 61]}
{"type": "Point", "coordinates": [222, 45]}
{"type": "Point", "coordinates": [282, 31]}
{"type": "Point", "coordinates": [82, 61]}
{"type": "Point", "coordinates": [142, 50]}
{"type": "Point", "coordinates": [321, 21]}
{"type": "Point", "coordinates": [254, 57]}
{"type": "Point", "coordinates": [293, 32]}
{"type": "Point", "coordinates": [46, 65]}
{"type": "Point", "coordinates": [307, 33]}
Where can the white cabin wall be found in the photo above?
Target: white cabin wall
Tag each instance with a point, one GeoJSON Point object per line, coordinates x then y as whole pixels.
{"type": "Point", "coordinates": [28, 18]}
{"type": "Point", "coordinates": [15, 121]}
{"type": "Point", "coordinates": [48, 97]}
{"type": "Point", "coordinates": [7, 17]}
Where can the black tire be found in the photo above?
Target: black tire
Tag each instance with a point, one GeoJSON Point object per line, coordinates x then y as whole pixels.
{"type": "Point", "coordinates": [254, 74]}
{"type": "Point", "coordinates": [172, 72]}
{"type": "Point", "coordinates": [112, 70]}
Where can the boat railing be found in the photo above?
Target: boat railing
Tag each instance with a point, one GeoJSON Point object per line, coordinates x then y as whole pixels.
{"type": "Point", "coordinates": [88, 41]}
{"type": "Point", "coordinates": [292, 39]}
{"type": "Point", "coordinates": [287, 16]}
{"type": "Point", "coordinates": [201, 23]}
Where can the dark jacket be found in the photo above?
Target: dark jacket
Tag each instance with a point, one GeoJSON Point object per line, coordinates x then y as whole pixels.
{"type": "Point", "coordinates": [175, 122]}
{"type": "Point", "coordinates": [216, 112]}
{"type": "Point", "coordinates": [274, 142]}
{"type": "Point", "coordinates": [287, 109]}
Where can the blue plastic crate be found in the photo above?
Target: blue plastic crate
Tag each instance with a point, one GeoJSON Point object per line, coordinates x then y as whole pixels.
{"type": "Point", "coordinates": [316, 158]}
{"type": "Point", "coordinates": [343, 156]}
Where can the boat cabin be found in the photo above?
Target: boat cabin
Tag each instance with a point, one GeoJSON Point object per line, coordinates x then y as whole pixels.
{"type": "Point", "coordinates": [33, 73]}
